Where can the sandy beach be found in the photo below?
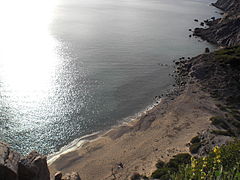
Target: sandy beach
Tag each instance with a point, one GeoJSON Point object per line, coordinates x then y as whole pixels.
{"type": "Point", "coordinates": [160, 133]}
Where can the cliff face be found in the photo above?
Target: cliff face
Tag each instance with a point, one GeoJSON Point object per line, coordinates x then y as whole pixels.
{"type": "Point", "coordinates": [15, 167]}
{"type": "Point", "coordinates": [224, 31]}
{"type": "Point", "coordinates": [31, 167]}
{"type": "Point", "coordinates": [228, 5]}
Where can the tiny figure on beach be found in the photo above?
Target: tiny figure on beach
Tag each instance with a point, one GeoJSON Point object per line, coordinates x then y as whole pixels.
{"type": "Point", "coordinates": [120, 165]}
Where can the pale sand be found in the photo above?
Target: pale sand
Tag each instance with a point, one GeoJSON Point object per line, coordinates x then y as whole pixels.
{"type": "Point", "coordinates": [162, 133]}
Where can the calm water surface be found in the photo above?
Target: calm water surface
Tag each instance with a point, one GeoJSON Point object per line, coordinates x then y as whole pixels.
{"type": "Point", "coordinates": [72, 67]}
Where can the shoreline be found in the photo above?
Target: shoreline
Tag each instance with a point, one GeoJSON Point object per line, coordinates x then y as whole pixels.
{"type": "Point", "coordinates": [81, 158]}
{"type": "Point", "coordinates": [79, 142]}
{"type": "Point", "coordinates": [200, 112]}
{"type": "Point", "coordinates": [159, 134]}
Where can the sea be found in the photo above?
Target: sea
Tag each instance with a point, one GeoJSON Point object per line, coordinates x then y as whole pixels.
{"type": "Point", "coordinates": [69, 68]}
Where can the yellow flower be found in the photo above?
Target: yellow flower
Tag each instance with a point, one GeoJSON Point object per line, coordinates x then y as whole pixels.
{"type": "Point", "coordinates": [216, 149]}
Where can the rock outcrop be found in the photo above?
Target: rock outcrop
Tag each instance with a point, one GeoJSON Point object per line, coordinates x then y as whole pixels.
{"type": "Point", "coordinates": [68, 176]}
{"type": "Point", "coordinates": [8, 163]}
{"type": "Point", "coordinates": [33, 167]}
{"type": "Point", "coordinates": [72, 176]}
{"type": "Point", "coordinates": [228, 5]}
{"type": "Point", "coordinates": [224, 31]}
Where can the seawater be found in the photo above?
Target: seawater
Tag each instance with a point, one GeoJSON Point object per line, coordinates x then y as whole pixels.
{"type": "Point", "coordinates": [69, 68]}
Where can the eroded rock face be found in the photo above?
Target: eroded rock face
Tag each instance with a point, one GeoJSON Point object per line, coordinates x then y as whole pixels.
{"type": "Point", "coordinates": [228, 5]}
{"type": "Point", "coordinates": [33, 167]}
{"type": "Point", "coordinates": [8, 163]}
{"type": "Point", "coordinates": [224, 32]}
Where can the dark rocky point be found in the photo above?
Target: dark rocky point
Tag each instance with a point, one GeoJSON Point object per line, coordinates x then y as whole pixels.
{"type": "Point", "coordinates": [8, 163]}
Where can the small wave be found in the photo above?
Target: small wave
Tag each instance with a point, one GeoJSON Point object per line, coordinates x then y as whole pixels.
{"type": "Point", "coordinates": [78, 143]}
{"type": "Point", "coordinates": [75, 144]}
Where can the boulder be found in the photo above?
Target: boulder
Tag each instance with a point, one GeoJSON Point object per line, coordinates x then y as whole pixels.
{"type": "Point", "coordinates": [8, 162]}
{"type": "Point", "coordinates": [58, 175]}
{"type": "Point", "coordinates": [33, 167]}
{"type": "Point", "coordinates": [207, 50]}
{"type": "Point", "coordinates": [72, 176]}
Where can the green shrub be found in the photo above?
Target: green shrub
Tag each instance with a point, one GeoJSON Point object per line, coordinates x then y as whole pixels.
{"type": "Point", "coordinates": [221, 107]}
{"type": "Point", "coordinates": [196, 139]}
{"type": "Point", "coordinates": [179, 159]}
{"type": "Point", "coordinates": [222, 133]}
{"type": "Point", "coordinates": [135, 176]}
{"type": "Point", "coordinates": [160, 164]}
{"type": "Point", "coordinates": [161, 172]}
{"type": "Point", "coordinates": [229, 56]}
{"type": "Point", "coordinates": [221, 163]}
{"type": "Point", "coordinates": [216, 120]}
{"type": "Point", "coordinates": [219, 121]}
{"type": "Point", "coordinates": [194, 147]}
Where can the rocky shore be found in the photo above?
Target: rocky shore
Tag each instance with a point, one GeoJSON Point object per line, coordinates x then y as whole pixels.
{"type": "Point", "coordinates": [223, 31]}
{"type": "Point", "coordinates": [34, 166]}
{"type": "Point", "coordinates": [201, 112]}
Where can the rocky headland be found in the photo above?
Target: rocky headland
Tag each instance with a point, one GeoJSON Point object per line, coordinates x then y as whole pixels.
{"type": "Point", "coordinates": [201, 112]}
{"type": "Point", "coordinates": [223, 31]}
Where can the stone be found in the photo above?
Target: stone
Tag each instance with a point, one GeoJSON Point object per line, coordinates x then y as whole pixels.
{"type": "Point", "coordinates": [33, 167]}
{"type": "Point", "coordinates": [58, 175]}
{"type": "Point", "coordinates": [72, 176]}
{"type": "Point", "coordinates": [207, 50]}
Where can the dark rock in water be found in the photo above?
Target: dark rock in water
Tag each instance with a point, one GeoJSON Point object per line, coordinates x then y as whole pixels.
{"type": "Point", "coordinates": [196, 20]}
{"type": "Point", "coordinates": [8, 163]}
{"type": "Point", "coordinates": [207, 50]}
{"type": "Point", "coordinates": [213, 18]}
{"type": "Point", "coordinates": [190, 35]}
{"type": "Point", "coordinates": [189, 29]}
{"type": "Point", "coordinates": [72, 176]}
{"type": "Point", "coordinates": [33, 167]}
{"type": "Point", "coordinates": [202, 24]}
{"type": "Point", "coordinates": [58, 176]}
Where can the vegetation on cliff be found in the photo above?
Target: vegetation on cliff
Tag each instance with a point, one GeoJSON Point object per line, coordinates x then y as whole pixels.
{"type": "Point", "coordinates": [221, 163]}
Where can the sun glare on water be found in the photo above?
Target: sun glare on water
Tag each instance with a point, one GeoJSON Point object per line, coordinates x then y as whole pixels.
{"type": "Point", "coordinates": [27, 50]}
{"type": "Point", "coordinates": [28, 57]}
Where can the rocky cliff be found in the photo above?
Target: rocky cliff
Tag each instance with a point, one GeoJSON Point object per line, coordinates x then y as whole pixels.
{"type": "Point", "coordinates": [14, 167]}
{"type": "Point", "coordinates": [224, 31]}
{"type": "Point", "coordinates": [31, 167]}
{"type": "Point", "coordinates": [228, 5]}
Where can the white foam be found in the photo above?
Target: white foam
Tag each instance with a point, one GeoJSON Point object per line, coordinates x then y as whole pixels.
{"type": "Point", "coordinates": [72, 146]}
{"type": "Point", "coordinates": [78, 143]}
